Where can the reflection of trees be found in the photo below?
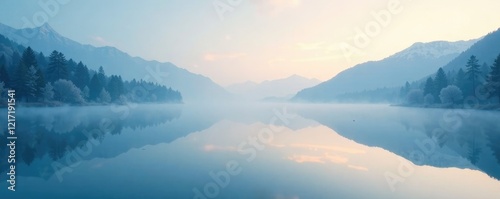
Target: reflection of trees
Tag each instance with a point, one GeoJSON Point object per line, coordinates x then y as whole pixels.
{"type": "Point", "coordinates": [28, 155]}
{"type": "Point", "coordinates": [474, 148]}
{"type": "Point", "coordinates": [493, 135]}
{"type": "Point", "coordinates": [59, 132]}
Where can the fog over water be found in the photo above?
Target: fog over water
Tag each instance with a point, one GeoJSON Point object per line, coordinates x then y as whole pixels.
{"type": "Point", "coordinates": [256, 151]}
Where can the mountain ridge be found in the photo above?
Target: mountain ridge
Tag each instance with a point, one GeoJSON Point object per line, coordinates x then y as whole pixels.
{"type": "Point", "coordinates": [280, 88]}
{"type": "Point", "coordinates": [409, 64]}
{"type": "Point", "coordinates": [194, 87]}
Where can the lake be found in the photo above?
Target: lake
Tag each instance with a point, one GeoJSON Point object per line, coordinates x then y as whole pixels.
{"type": "Point", "coordinates": [275, 151]}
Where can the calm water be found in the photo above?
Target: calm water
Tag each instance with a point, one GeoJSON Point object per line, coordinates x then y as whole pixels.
{"type": "Point", "coordinates": [276, 151]}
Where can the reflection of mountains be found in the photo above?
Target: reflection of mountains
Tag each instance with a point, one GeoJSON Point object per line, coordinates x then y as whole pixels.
{"type": "Point", "coordinates": [47, 135]}
{"type": "Point", "coordinates": [470, 140]}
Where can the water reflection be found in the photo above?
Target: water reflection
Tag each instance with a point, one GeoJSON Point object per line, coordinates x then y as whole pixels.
{"type": "Point", "coordinates": [440, 138]}
{"type": "Point", "coordinates": [49, 135]}
{"type": "Point", "coordinates": [323, 152]}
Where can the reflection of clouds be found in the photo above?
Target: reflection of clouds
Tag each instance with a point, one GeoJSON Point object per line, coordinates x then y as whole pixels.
{"type": "Point", "coordinates": [329, 148]}
{"type": "Point", "coordinates": [361, 168]}
{"type": "Point", "coordinates": [319, 159]}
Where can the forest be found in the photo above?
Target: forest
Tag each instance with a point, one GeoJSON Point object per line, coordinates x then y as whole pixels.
{"type": "Point", "coordinates": [53, 81]}
{"type": "Point", "coordinates": [472, 86]}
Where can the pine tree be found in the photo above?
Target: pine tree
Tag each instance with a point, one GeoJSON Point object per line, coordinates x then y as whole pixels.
{"type": "Point", "coordinates": [95, 88]}
{"type": "Point", "coordinates": [81, 77]}
{"type": "Point", "coordinates": [21, 81]}
{"type": "Point", "coordinates": [57, 67]}
{"type": "Point", "coordinates": [461, 80]}
{"type": "Point", "coordinates": [4, 75]}
{"type": "Point", "coordinates": [31, 83]}
{"type": "Point", "coordinates": [71, 66]}
{"type": "Point", "coordinates": [115, 87]}
{"type": "Point", "coordinates": [429, 87]}
{"type": "Point", "coordinates": [16, 59]}
{"type": "Point", "coordinates": [40, 83]}
{"type": "Point", "coordinates": [494, 79]}
{"type": "Point", "coordinates": [29, 58]}
{"type": "Point", "coordinates": [440, 82]}
{"type": "Point", "coordinates": [102, 76]}
{"type": "Point", "coordinates": [473, 72]}
{"type": "Point", "coordinates": [485, 70]}
{"type": "Point", "coordinates": [42, 61]}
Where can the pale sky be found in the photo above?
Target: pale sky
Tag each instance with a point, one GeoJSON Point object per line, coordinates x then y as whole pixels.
{"type": "Point", "coordinates": [260, 40]}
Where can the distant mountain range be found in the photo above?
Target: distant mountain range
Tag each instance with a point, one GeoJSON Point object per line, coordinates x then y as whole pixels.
{"type": "Point", "coordinates": [193, 87]}
{"type": "Point", "coordinates": [413, 63]}
{"type": "Point", "coordinates": [276, 89]}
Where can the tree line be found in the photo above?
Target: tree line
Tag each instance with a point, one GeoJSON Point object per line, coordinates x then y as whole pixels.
{"type": "Point", "coordinates": [453, 88]}
{"type": "Point", "coordinates": [54, 80]}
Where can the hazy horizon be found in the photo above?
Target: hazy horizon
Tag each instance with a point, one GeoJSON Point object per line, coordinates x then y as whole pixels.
{"type": "Point", "coordinates": [259, 40]}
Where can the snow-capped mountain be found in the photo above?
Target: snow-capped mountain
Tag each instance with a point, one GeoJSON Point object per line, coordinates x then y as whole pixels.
{"type": "Point", "coordinates": [434, 49]}
{"type": "Point", "coordinates": [411, 64]}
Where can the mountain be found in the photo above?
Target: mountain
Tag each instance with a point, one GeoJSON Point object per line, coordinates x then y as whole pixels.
{"type": "Point", "coordinates": [45, 39]}
{"type": "Point", "coordinates": [485, 50]}
{"type": "Point", "coordinates": [411, 64]}
{"type": "Point", "coordinates": [280, 88]}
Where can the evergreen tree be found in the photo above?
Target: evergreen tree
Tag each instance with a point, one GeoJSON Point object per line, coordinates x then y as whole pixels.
{"type": "Point", "coordinates": [473, 72]}
{"type": "Point", "coordinates": [104, 96]}
{"type": "Point", "coordinates": [95, 88]}
{"type": "Point", "coordinates": [485, 70]}
{"type": "Point", "coordinates": [35, 78]}
{"type": "Point", "coordinates": [440, 82]}
{"type": "Point", "coordinates": [4, 75]}
{"type": "Point", "coordinates": [21, 81]}
{"type": "Point", "coordinates": [429, 87]}
{"type": "Point", "coordinates": [494, 79]}
{"type": "Point", "coordinates": [461, 80]}
{"type": "Point", "coordinates": [403, 92]}
{"type": "Point", "coordinates": [115, 87]}
{"type": "Point", "coordinates": [3, 61]}
{"type": "Point", "coordinates": [29, 58]}
{"type": "Point", "coordinates": [81, 77]}
{"type": "Point", "coordinates": [42, 61]}
{"type": "Point", "coordinates": [16, 59]}
{"type": "Point", "coordinates": [57, 67]}
{"type": "Point", "coordinates": [48, 92]}
{"type": "Point", "coordinates": [40, 83]}
{"type": "Point", "coordinates": [31, 83]}
{"type": "Point", "coordinates": [71, 66]}
{"type": "Point", "coordinates": [102, 76]}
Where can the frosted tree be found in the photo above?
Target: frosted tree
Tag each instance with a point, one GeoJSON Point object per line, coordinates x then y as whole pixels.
{"type": "Point", "coordinates": [86, 92]}
{"type": "Point", "coordinates": [429, 99]}
{"type": "Point", "coordinates": [66, 91]}
{"type": "Point", "coordinates": [104, 96]}
{"type": "Point", "coordinates": [451, 95]}
{"type": "Point", "coordinates": [415, 96]}
{"type": "Point", "coordinates": [48, 92]}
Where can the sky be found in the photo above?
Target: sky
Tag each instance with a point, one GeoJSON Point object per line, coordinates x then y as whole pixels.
{"type": "Point", "coordinates": [233, 41]}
